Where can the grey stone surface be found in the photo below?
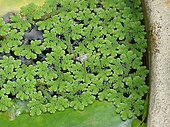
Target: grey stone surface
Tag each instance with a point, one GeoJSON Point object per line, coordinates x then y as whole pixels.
{"type": "Point", "coordinates": [157, 17]}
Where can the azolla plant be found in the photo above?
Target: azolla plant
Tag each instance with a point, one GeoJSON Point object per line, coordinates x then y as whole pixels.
{"type": "Point", "coordinates": [69, 53]}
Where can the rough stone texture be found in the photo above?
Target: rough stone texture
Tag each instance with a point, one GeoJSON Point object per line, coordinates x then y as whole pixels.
{"type": "Point", "coordinates": [157, 17]}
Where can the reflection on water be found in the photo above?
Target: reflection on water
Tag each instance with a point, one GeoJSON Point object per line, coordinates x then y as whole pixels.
{"type": "Point", "coordinates": [14, 5]}
{"type": "Point", "coordinates": [20, 107]}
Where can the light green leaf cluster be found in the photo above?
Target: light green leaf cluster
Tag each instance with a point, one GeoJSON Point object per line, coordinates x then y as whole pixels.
{"type": "Point", "coordinates": [5, 103]}
{"type": "Point", "coordinates": [29, 51]}
{"type": "Point", "coordinates": [19, 23]}
{"type": "Point", "coordinates": [43, 71]}
{"type": "Point", "coordinates": [32, 11]}
{"type": "Point", "coordinates": [4, 28]}
{"type": "Point", "coordinates": [59, 104]}
{"type": "Point", "coordinates": [36, 104]}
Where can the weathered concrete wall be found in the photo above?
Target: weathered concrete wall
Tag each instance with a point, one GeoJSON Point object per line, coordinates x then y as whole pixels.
{"type": "Point", "coordinates": [158, 27]}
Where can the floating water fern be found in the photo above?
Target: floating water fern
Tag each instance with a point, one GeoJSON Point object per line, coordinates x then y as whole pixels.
{"type": "Point", "coordinates": [71, 53]}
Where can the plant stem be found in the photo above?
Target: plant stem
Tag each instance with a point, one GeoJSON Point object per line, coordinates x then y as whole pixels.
{"type": "Point", "coordinates": [84, 65]}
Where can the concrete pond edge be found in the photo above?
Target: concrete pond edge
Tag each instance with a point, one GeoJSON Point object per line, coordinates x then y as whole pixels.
{"type": "Point", "coordinates": [157, 20]}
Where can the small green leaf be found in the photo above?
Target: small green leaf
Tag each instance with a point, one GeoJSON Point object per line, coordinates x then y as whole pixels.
{"type": "Point", "coordinates": [102, 95]}
{"type": "Point", "coordinates": [143, 125]}
{"type": "Point", "coordinates": [136, 123]}
{"type": "Point", "coordinates": [145, 111]}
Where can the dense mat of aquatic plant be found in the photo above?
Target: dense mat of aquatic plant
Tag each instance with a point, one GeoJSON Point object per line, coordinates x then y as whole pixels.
{"type": "Point", "coordinates": [69, 53]}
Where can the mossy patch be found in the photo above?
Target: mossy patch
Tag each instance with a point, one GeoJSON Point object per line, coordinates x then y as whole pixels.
{"type": "Point", "coordinates": [70, 53]}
